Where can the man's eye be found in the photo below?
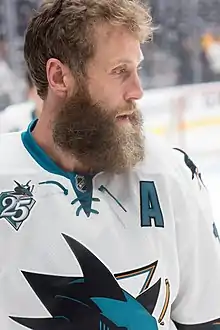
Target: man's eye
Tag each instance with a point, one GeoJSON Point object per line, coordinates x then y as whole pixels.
{"type": "Point", "coordinates": [120, 71]}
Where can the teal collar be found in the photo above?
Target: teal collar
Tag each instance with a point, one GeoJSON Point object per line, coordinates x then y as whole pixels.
{"type": "Point", "coordinates": [39, 154]}
{"type": "Point", "coordinates": [82, 185]}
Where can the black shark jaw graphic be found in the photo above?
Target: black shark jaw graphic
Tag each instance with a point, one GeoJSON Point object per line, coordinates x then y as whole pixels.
{"type": "Point", "coordinates": [94, 301]}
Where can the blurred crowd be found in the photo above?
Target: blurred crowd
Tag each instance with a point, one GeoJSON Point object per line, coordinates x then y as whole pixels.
{"type": "Point", "coordinates": [186, 45]}
{"type": "Point", "coordinates": [14, 16]}
{"type": "Point", "coordinates": [185, 50]}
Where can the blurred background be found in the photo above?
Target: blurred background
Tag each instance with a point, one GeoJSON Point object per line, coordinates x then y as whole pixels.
{"type": "Point", "coordinates": [180, 75]}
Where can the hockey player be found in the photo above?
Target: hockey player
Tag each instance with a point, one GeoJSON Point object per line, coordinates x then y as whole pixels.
{"type": "Point", "coordinates": [101, 226]}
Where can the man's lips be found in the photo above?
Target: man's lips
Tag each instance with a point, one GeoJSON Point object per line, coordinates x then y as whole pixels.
{"type": "Point", "coordinates": [124, 115]}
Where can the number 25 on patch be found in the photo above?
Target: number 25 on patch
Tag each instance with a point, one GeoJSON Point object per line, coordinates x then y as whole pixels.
{"type": "Point", "coordinates": [15, 209]}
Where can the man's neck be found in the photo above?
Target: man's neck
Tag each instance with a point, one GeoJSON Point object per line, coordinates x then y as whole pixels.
{"type": "Point", "coordinates": [43, 136]}
{"type": "Point", "coordinates": [37, 112]}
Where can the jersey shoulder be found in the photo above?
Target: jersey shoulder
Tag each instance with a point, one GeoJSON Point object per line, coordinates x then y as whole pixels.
{"type": "Point", "coordinates": [168, 161]}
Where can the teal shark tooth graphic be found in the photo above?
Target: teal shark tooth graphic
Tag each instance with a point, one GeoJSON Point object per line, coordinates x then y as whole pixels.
{"type": "Point", "coordinates": [94, 301]}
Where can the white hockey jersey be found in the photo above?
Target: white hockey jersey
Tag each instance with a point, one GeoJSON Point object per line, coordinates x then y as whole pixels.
{"type": "Point", "coordinates": [133, 251]}
{"type": "Point", "coordinates": [16, 117]}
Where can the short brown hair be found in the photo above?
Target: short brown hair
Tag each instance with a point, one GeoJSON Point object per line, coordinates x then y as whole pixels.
{"type": "Point", "coordinates": [63, 29]}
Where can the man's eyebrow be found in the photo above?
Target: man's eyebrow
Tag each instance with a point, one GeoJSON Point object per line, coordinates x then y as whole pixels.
{"type": "Point", "coordinates": [125, 61]}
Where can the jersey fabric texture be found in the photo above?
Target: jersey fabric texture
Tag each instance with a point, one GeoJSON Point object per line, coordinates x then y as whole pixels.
{"type": "Point", "coordinates": [16, 117]}
{"type": "Point", "coordinates": [134, 251]}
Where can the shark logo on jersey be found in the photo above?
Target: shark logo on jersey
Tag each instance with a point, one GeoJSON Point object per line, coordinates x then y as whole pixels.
{"type": "Point", "coordinates": [93, 301]}
{"type": "Point", "coordinates": [215, 232]}
{"type": "Point", "coordinates": [193, 168]}
{"type": "Point", "coordinates": [15, 206]}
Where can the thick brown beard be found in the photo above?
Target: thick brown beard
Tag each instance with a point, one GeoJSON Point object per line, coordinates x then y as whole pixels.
{"type": "Point", "coordinates": [90, 133]}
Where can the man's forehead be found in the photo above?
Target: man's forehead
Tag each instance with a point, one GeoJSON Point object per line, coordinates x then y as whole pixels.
{"type": "Point", "coordinates": [115, 45]}
{"type": "Point", "coordinates": [127, 60]}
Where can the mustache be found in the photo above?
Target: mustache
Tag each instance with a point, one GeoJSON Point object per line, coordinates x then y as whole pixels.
{"type": "Point", "coordinates": [128, 109]}
{"type": "Point", "coordinates": [88, 112]}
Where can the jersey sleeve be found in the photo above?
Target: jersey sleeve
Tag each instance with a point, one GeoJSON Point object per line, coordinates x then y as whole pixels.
{"type": "Point", "coordinates": [197, 304]}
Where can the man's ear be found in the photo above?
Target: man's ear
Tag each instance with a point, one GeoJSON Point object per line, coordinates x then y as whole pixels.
{"type": "Point", "coordinates": [60, 78]}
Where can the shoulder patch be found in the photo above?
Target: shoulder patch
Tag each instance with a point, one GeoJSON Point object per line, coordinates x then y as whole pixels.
{"type": "Point", "coordinates": [16, 205]}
